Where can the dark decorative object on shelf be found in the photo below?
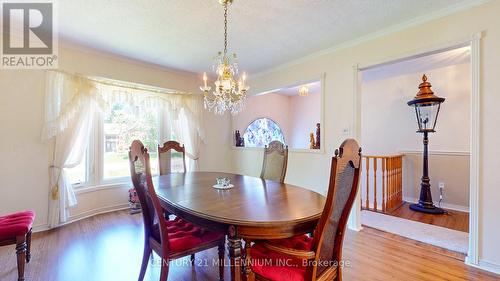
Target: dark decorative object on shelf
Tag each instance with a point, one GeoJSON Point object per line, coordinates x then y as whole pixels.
{"type": "Point", "coordinates": [318, 136]}
{"type": "Point", "coordinates": [240, 142]}
{"type": "Point", "coordinates": [133, 199]}
{"type": "Point", "coordinates": [427, 107]}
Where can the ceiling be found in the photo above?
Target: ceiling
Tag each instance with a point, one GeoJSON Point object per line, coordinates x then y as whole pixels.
{"type": "Point", "coordinates": [314, 88]}
{"type": "Point", "coordinates": [186, 34]}
{"type": "Point", "coordinates": [418, 64]}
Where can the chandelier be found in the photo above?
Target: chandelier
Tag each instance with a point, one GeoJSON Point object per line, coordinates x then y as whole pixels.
{"type": "Point", "coordinates": [304, 91]}
{"type": "Point", "coordinates": [228, 95]}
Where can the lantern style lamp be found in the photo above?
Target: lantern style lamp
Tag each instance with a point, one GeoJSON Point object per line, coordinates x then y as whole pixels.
{"type": "Point", "coordinates": [427, 107]}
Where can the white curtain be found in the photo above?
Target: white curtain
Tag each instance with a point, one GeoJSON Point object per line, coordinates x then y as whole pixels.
{"type": "Point", "coordinates": [187, 126]}
{"type": "Point", "coordinates": [179, 114]}
{"type": "Point", "coordinates": [70, 103]}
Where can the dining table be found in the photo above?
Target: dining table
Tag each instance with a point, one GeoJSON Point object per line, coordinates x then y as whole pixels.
{"type": "Point", "coordinates": [253, 209]}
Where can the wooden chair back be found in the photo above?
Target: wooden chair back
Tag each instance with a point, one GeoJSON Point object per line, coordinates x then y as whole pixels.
{"type": "Point", "coordinates": [343, 186]}
{"type": "Point", "coordinates": [275, 161]}
{"type": "Point", "coordinates": [165, 156]}
{"type": "Point", "coordinates": [140, 171]}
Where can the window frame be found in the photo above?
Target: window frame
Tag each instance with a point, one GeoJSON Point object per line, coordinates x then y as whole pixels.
{"type": "Point", "coordinates": [88, 172]}
{"type": "Point", "coordinates": [95, 158]}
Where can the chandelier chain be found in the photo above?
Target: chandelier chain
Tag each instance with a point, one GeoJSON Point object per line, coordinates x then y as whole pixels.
{"type": "Point", "coordinates": [230, 92]}
{"type": "Point", "coordinates": [225, 29]}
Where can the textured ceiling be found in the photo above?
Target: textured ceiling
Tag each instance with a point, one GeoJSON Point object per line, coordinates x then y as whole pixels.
{"type": "Point", "coordinates": [186, 34]}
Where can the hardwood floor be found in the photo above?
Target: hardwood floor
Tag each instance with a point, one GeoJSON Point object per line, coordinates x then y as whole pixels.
{"type": "Point", "coordinates": [452, 219]}
{"type": "Point", "coordinates": [109, 247]}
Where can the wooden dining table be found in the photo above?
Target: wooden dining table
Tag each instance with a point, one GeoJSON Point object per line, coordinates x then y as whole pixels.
{"type": "Point", "coordinates": [253, 209]}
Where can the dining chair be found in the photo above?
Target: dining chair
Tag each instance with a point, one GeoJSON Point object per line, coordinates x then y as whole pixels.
{"type": "Point", "coordinates": [15, 229]}
{"type": "Point", "coordinates": [165, 156]}
{"type": "Point", "coordinates": [275, 161]}
{"type": "Point", "coordinates": [165, 164]}
{"type": "Point", "coordinates": [170, 239]}
{"type": "Point", "coordinates": [316, 257]}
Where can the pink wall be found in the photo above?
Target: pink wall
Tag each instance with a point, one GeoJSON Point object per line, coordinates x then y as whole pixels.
{"type": "Point", "coordinates": [272, 106]}
{"type": "Point", "coordinates": [305, 112]}
{"type": "Point", "coordinates": [296, 116]}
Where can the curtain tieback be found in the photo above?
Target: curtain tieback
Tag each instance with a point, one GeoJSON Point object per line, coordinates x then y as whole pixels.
{"type": "Point", "coordinates": [195, 158]}
{"type": "Point", "coordinates": [54, 191]}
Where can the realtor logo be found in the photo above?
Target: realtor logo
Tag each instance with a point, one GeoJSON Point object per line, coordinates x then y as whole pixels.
{"type": "Point", "coordinates": [28, 36]}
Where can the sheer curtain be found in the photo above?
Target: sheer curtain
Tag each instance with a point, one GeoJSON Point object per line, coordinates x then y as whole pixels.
{"type": "Point", "coordinates": [70, 103]}
{"type": "Point", "coordinates": [179, 114]}
{"type": "Point", "coordinates": [186, 125]}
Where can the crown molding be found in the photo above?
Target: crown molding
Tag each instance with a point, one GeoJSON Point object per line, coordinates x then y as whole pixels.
{"type": "Point", "coordinates": [452, 9]}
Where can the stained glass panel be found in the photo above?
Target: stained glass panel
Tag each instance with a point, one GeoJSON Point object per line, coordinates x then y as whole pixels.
{"type": "Point", "coordinates": [261, 132]}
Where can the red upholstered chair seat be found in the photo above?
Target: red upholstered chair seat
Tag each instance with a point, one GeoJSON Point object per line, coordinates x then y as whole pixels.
{"type": "Point", "coordinates": [277, 266]}
{"type": "Point", "coordinates": [16, 224]}
{"type": "Point", "coordinates": [183, 235]}
{"type": "Point", "coordinates": [301, 257]}
{"type": "Point", "coordinates": [299, 242]}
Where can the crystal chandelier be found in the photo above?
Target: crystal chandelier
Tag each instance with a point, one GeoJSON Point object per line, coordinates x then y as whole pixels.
{"type": "Point", "coordinates": [228, 94]}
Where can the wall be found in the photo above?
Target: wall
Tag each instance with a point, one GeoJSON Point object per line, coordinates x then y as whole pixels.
{"type": "Point", "coordinates": [452, 170]}
{"type": "Point", "coordinates": [24, 172]}
{"type": "Point", "coordinates": [304, 114]}
{"type": "Point", "coordinates": [388, 124]}
{"type": "Point", "coordinates": [311, 170]}
{"type": "Point", "coordinates": [273, 106]}
{"type": "Point", "coordinates": [297, 116]}
{"type": "Point", "coordinates": [388, 127]}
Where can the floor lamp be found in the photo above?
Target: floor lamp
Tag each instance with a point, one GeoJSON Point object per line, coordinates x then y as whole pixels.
{"type": "Point", "coordinates": [427, 107]}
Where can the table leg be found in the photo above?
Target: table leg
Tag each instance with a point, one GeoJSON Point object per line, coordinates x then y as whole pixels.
{"type": "Point", "coordinates": [250, 276]}
{"type": "Point", "coordinates": [234, 248]}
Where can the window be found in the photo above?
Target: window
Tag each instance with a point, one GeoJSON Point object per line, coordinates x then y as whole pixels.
{"type": "Point", "coordinates": [172, 162]}
{"type": "Point", "coordinates": [261, 132]}
{"type": "Point", "coordinates": [124, 120]}
{"type": "Point", "coordinates": [119, 113]}
{"type": "Point", "coordinates": [121, 125]}
{"type": "Point", "coordinates": [78, 175]}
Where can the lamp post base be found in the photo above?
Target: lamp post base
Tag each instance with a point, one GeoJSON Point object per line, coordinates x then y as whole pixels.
{"type": "Point", "coordinates": [427, 209]}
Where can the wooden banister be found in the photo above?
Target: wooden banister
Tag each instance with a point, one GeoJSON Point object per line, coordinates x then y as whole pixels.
{"type": "Point", "coordinates": [390, 177]}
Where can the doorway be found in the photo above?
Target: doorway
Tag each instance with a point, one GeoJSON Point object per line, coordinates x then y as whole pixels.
{"type": "Point", "coordinates": [392, 164]}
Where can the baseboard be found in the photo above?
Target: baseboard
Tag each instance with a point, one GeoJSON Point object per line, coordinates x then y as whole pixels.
{"type": "Point", "coordinates": [40, 227]}
{"type": "Point", "coordinates": [485, 265]}
{"type": "Point", "coordinates": [354, 228]}
{"type": "Point", "coordinates": [97, 211]}
{"type": "Point", "coordinates": [443, 205]}
{"type": "Point", "coordinates": [84, 215]}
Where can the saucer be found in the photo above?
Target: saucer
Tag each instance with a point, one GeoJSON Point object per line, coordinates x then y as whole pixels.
{"type": "Point", "coordinates": [217, 186]}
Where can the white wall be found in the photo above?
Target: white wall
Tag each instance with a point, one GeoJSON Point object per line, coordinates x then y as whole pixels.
{"type": "Point", "coordinates": [311, 170]}
{"type": "Point", "coordinates": [388, 124]}
{"type": "Point", "coordinates": [24, 169]}
{"type": "Point", "coordinates": [388, 127]}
